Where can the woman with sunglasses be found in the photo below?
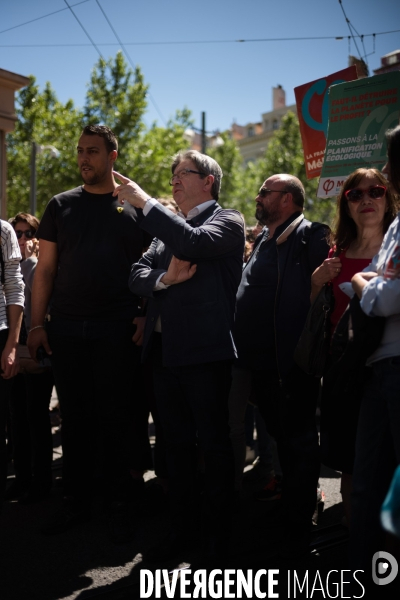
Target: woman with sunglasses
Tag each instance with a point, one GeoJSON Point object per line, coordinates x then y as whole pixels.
{"type": "Point", "coordinates": [378, 434]}
{"type": "Point", "coordinates": [365, 209]}
{"type": "Point", "coordinates": [31, 393]}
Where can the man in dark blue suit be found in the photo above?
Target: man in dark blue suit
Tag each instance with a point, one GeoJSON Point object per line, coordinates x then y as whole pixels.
{"type": "Point", "coordinates": [191, 274]}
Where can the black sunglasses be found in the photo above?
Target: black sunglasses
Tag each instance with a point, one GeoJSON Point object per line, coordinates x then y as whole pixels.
{"type": "Point", "coordinates": [28, 234]}
{"type": "Point", "coordinates": [375, 192]}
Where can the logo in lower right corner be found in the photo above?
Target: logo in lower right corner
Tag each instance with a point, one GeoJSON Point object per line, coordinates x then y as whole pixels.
{"type": "Point", "coordinates": [384, 568]}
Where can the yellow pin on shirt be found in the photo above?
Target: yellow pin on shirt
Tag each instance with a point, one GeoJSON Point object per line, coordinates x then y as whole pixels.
{"type": "Point", "coordinates": [120, 209]}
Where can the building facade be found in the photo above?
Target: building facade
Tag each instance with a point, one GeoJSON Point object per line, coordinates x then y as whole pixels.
{"type": "Point", "coordinates": [389, 62]}
{"type": "Point", "coordinates": [9, 84]}
{"type": "Point", "coordinates": [253, 138]}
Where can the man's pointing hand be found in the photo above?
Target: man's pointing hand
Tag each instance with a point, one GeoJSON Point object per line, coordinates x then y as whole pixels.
{"type": "Point", "coordinates": [130, 191]}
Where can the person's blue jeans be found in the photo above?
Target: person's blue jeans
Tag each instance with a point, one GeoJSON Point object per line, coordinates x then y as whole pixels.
{"type": "Point", "coordinates": [377, 455]}
{"type": "Point", "coordinates": [99, 385]}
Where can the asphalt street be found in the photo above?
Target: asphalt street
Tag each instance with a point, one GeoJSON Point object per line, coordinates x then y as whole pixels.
{"type": "Point", "coordinates": [83, 563]}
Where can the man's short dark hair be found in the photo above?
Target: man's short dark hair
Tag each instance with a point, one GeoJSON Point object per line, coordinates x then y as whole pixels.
{"type": "Point", "coordinates": [205, 164]}
{"type": "Point", "coordinates": [104, 132]}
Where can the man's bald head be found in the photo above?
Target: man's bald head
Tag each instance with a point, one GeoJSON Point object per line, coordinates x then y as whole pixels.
{"type": "Point", "coordinates": [294, 186]}
{"type": "Point", "coordinates": [279, 197]}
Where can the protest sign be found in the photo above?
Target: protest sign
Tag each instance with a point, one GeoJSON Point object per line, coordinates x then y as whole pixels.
{"type": "Point", "coordinates": [360, 112]}
{"type": "Point", "coordinates": [312, 109]}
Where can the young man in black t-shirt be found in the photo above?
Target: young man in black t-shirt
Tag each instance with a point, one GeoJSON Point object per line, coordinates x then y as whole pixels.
{"type": "Point", "coordinates": [88, 242]}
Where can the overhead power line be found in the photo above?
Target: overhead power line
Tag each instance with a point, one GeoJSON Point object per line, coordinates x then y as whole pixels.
{"type": "Point", "coordinates": [93, 44]}
{"type": "Point", "coordinates": [351, 28]}
{"type": "Point", "coordinates": [175, 42]}
{"type": "Point", "coordinates": [42, 17]}
{"type": "Point", "coordinates": [129, 59]}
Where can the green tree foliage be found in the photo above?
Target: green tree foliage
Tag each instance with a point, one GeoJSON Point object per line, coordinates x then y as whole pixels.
{"type": "Point", "coordinates": [46, 121]}
{"type": "Point", "coordinates": [149, 157]}
{"type": "Point", "coordinates": [284, 154]}
{"type": "Point", "coordinates": [239, 183]}
{"type": "Point", "coordinates": [228, 157]}
{"type": "Point", "coordinates": [116, 97]}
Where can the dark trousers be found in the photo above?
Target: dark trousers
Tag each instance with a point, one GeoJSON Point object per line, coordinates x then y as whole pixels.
{"type": "Point", "coordinates": [104, 425]}
{"type": "Point", "coordinates": [5, 390]}
{"type": "Point", "coordinates": [31, 428]}
{"type": "Point", "coordinates": [377, 455]}
{"type": "Point", "coordinates": [159, 452]}
{"type": "Point", "coordinates": [288, 409]}
{"type": "Point", "coordinates": [193, 407]}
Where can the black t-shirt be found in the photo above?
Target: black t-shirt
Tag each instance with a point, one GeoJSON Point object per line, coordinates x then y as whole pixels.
{"type": "Point", "coordinates": [98, 240]}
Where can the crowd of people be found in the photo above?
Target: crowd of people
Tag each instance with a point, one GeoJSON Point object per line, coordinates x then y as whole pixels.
{"type": "Point", "coordinates": [136, 305]}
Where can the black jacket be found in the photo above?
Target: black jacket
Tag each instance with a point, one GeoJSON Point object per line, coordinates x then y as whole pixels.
{"type": "Point", "coordinates": [300, 249]}
{"type": "Point", "coordinates": [197, 315]}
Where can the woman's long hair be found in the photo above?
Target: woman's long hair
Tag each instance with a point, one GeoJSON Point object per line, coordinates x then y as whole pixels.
{"type": "Point", "coordinates": [344, 230]}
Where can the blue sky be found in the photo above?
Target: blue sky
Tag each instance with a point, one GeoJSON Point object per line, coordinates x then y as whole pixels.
{"type": "Point", "coordinates": [228, 80]}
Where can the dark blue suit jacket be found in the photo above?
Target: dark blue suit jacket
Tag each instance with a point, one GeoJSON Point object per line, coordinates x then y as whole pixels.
{"type": "Point", "coordinates": [197, 315]}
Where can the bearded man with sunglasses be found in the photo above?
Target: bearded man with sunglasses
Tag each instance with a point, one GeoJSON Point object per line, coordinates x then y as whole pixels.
{"type": "Point", "coordinates": [190, 275]}
{"type": "Point", "coordinates": [272, 305]}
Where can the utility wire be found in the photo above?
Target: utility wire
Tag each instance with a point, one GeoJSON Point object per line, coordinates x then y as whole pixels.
{"type": "Point", "coordinates": [362, 40]}
{"type": "Point", "coordinates": [292, 39]}
{"type": "Point", "coordinates": [365, 52]}
{"type": "Point", "coordinates": [93, 44]}
{"type": "Point", "coordinates": [130, 60]}
{"type": "Point", "coordinates": [350, 26]}
{"type": "Point", "coordinates": [364, 56]}
{"type": "Point", "coordinates": [39, 18]}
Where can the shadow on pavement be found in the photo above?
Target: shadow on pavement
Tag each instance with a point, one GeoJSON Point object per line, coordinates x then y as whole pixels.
{"type": "Point", "coordinates": [82, 563]}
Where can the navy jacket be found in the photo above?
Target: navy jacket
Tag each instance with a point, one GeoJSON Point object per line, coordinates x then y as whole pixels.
{"type": "Point", "coordinates": [299, 251]}
{"type": "Point", "coordinates": [197, 315]}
